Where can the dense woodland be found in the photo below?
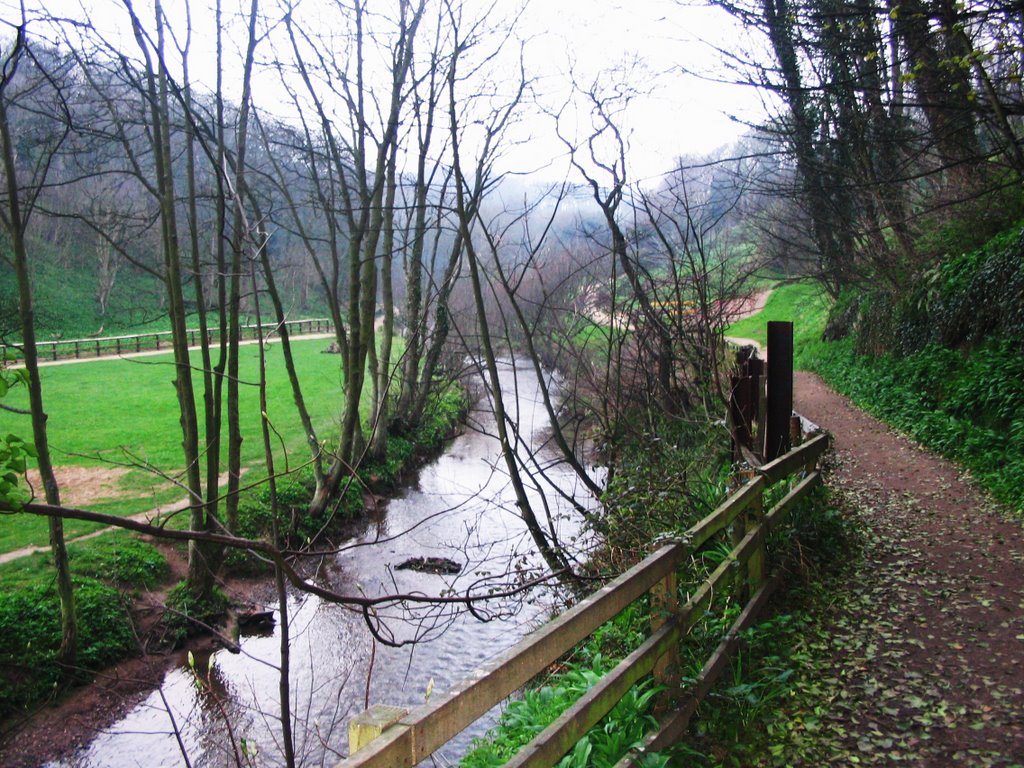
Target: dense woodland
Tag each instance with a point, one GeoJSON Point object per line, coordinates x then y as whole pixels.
{"type": "Point", "coordinates": [348, 160]}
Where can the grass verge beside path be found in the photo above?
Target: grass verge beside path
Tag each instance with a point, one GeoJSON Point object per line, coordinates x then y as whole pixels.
{"type": "Point", "coordinates": [804, 304]}
{"type": "Point", "coordinates": [966, 407]}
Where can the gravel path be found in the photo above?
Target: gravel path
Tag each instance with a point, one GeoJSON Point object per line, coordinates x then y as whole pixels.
{"type": "Point", "coordinates": [927, 641]}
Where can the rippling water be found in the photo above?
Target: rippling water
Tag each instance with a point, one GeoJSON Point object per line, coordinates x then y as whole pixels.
{"type": "Point", "coordinates": [460, 507]}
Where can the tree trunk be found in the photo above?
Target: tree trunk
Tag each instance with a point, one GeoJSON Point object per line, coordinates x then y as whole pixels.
{"type": "Point", "coordinates": [16, 218]}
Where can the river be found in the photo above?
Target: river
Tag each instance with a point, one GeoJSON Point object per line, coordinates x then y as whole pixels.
{"type": "Point", "coordinates": [460, 507]}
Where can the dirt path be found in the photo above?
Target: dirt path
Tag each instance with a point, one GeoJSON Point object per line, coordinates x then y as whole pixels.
{"type": "Point", "coordinates": [927, 641]}
{"type": "Point", "coordinates": [166, 351]}
{"type": "Point", "coordinates": [140, 517]}
{"type": "Point", "coordinates": [745, 309]}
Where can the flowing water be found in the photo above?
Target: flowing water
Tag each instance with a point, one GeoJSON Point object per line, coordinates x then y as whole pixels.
{"type": "Point", "coordinates": [460, 507]}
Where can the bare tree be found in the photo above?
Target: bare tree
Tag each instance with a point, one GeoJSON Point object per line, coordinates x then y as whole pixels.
{"type": "Point", "coordinates": [36, 92]}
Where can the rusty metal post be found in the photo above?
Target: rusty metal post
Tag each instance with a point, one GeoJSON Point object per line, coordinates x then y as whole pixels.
{"type": "Point", "coordinates": [743, 401]}
{"type": "Point", "coordinates": [780, 389]}
{"type": "Point", "coordinates": [796, 435]}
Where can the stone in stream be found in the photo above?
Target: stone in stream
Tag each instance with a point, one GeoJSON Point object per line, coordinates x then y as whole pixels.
{"type": "Point", "coordinates": [439, 565]}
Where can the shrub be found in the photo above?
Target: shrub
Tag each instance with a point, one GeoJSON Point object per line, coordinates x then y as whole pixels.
{"type": "Point", "coordinates": [30, 635]}
{"type": "Point", "coordinates": [967, 407]}
{"type": "Point", "coordinates": [186, 614]}
{"type": "Point", "coordinates": [294, 493]}
{"type": "Point", "coordinates": [664, 481]}
{"type": "Point", "coordinates": [120, 560]}
{"type": "Point", "coordinates": [958, 303]}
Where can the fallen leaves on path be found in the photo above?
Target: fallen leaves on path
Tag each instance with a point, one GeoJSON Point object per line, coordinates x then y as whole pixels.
{"type": "Point", "coordinates": [918, 658]}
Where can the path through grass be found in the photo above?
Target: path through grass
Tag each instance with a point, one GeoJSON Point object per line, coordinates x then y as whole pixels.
{"type": "Point", "coordinates": [804, 304]}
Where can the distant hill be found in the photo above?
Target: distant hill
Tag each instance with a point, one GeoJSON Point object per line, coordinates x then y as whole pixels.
{"type": "Point", "coordinates": [66, 282]}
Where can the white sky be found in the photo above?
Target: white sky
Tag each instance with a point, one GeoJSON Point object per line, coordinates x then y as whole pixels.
{"type": "Point", "coordinates": [681, 114]}
{"type": "Point", "coordinates": [678, 115]}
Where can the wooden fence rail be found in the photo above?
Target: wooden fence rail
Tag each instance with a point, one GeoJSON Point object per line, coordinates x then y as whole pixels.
{"type": "Point", "coordinates": [410, 737]}
{"type": "Point", "coordinates": [75, 349]}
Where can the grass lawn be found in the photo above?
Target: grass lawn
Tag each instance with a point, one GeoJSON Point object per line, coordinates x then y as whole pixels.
{"type": "Point", "coordinates": [804, 304]}
{"type": "Point", "coordinates": [113, 410]}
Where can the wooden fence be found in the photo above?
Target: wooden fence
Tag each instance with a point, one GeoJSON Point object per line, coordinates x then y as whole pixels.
{"type": "Point", "coordinates": [406, 738]}
{"type": "Point", "coordinates": [74, 349]}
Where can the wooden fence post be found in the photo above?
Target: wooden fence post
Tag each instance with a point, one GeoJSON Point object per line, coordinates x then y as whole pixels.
{"type": "Point", "coordinates": [371, 723]}
{"type": "Point", "coordinates": [757, 563]}
{"type": "Point", "coordinates": [664, 605]}
{"type": "Point", "coordinates": [780, 389]}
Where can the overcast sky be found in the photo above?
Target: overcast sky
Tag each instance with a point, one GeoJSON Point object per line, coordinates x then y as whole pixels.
{"type": "Point", "coordinates": [672, 114]}
{"type": "Point", "coordinates": [682, 114]}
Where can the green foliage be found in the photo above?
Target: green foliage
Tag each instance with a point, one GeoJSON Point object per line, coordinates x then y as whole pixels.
{"type": "Point", "coordinates": [186, 614]}
{"type": "Point", "coordinates": [964, 299]}
{"type": "Point", "coordinates": [30, 635]}
{"type": "Point", "coordinates": [255, 520]}
{"type": "Point", "coordinates": [14, 451]}
{"type": "Point", "coordinates": [617, 638]}
{"type": "Point", "coordinates": [975, 223]}
{"type": "Point", "coordinates": [967, 407]}
{"type": "Point", "coordinates": [604, 745]}
{"type": "Point", "coordinates": [664, 482]}
{"type": "Point", "coordinates": [385, 471]}
{"type": "Point", "coordinates": [120, 560]}
{"type": "Point", "coordinates": [749, 712]}
{"type": "Point", "coordinates": [14, 456]}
